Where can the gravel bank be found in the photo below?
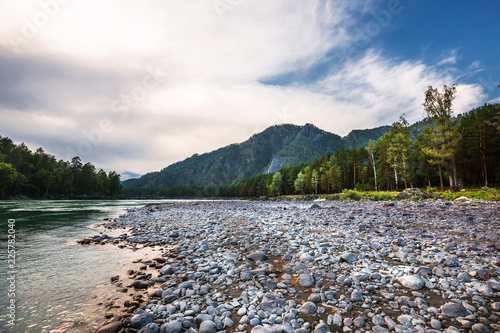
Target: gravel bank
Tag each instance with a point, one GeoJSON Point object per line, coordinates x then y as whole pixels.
{"type": "Point", "coordinates": [263, 267]}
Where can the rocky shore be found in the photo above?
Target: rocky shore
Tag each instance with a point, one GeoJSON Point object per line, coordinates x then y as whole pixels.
{"type": "Point", "coordinates": [263, 267]}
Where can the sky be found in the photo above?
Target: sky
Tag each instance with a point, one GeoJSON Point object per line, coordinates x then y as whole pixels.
{"type": "Point", "coordinates": [134, 86]}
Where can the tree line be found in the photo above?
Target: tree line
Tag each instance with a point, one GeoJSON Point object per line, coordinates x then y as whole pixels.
{"type": "Point", "coordinates": [39, 175]}
{"type": "Point", "coordinates": [451, 152]}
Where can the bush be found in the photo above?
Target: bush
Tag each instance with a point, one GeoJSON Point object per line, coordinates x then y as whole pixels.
{"type": "Point", "coordinates": [382, 196]}
{"type": "Point", "coordinates": [489, 191]}
{"type": "Point", "coordinates": [350, 194]}
{"type": "Point", "coordinates": [430, 190]}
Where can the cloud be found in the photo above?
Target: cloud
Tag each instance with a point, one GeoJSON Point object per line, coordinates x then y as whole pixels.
{"type": "Point", "coordinates": [449, 60]}
{"type": "Point", "coordinates": [135, 86]}
{"type": "Point", "coordinates": [378, 89]}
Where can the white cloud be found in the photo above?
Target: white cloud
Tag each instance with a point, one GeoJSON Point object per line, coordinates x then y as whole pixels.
{"type": "Point", "coordinates": [210, 96]}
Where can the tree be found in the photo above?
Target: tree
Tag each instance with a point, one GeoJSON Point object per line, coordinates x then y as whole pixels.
{"type": "Point", "coordinates": [334, 178]}
{"type": "Point", "coordinates": [371, 152]}
{"type": "Point", "coordinates": [315, 180]}
{"type": "Point", "coordinates": [276, 184]}
{"type": "Point", "coordinates": [115, 188]}
{"type": "Point", "coordinates": [8, 176]}
{"type": "Point", "coordinates": [399, 150]}
{"type": "Point", "coordinates": [384, 168]}
{"type": "Point", "coordinates": [300, 182]}
{"type": "Point", "coordinates": [438, 107]}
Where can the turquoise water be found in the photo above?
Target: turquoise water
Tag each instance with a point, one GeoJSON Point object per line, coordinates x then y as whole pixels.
{"type": "Point", "coordinates": [53, 274]}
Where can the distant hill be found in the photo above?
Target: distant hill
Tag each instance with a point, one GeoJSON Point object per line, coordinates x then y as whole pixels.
{"type": "Point", "coordinates": [266, 152]}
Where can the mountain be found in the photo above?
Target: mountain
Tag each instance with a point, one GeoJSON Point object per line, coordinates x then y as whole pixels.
{"type": "Point", "coordinates": [266, 152]}
{"type": "Point", "coordinates": [276, 147]}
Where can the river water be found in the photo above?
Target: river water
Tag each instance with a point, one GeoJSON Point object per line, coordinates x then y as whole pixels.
{"type": "Point", "coordinates": [52, 274]}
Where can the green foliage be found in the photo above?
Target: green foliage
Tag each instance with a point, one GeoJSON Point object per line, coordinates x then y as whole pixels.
{"type": "Point", "coordinates": [300, 182]}
{"type": "Point", "coordinates": [490, 194]}
{"type": "Point", "coordinates": [8, 176]}
{"type": "Point", "coordinates": [478, 152]}
{"type": "Point", "coordinates": [276, 184]}
{"type": "Point", "coordinates": [443, 136]}
{"type": "Point", "coordinates": [430, 190]}
{"type": "Point", "coordinates": [350, 195]}
{"type": "Point", "coordinates": [40, 175]}
{"type": "Point", "coordinates": [383, 196]}
{"type": "Point", "coordinates": [489, 191]}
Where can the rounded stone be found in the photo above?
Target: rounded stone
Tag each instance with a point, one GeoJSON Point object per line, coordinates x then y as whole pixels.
{"type": "Point", "coordinates": [262, 329]}
{"type": "Point", "coordinates": [140, 320]}
{"type": "Point", "coordinates": [208, 327]}
{"type": "Point", "coordinates": [480, 328]}
{"type": "Point", "coordinates": [307, 308]}
{"type": "Point", "coordinates": [150, 328]}
{"type": "Point", "coordinates": [348, 257]}
{"type": "Point", "coordinates": [172, 327]}
{"type": "Point", "coordinates": [113, 327]}
{"type": "Point", "coordinates": [321, 328]}
{"type": "Point", "coordinates": [257, 256]}
{"type": "Point", "coordinates": [454, 310]}
{"type": "Point", "coordinates": [414, 282]}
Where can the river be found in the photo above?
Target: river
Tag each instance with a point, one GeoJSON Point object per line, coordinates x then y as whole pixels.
{"type": "Point", "coordinates": [52, 275]}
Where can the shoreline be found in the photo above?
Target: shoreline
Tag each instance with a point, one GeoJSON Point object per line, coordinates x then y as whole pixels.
{"type": "Point", "coordinates": [370, 292]}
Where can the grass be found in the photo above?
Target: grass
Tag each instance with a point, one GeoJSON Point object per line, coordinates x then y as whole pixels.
{"type": "Point", "coordinates": [383, 196]}
{"type": "Point", "coordinates": [484, 193]}
{"type": "Point", "coordinates": [351, 195]}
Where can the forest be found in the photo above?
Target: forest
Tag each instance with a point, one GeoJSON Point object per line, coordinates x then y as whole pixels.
{"type": "Point", "coordinates": [39, 175]}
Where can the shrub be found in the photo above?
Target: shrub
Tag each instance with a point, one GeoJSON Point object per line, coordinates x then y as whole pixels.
{"type": "Point", "coordinates": [350, 194]}
{"type": "Point", "coordinates": [382, 196]}
{"type": "Point", "coordinates": [489, 191]}
{"type": "Point", "coordinates": [430, 190]}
